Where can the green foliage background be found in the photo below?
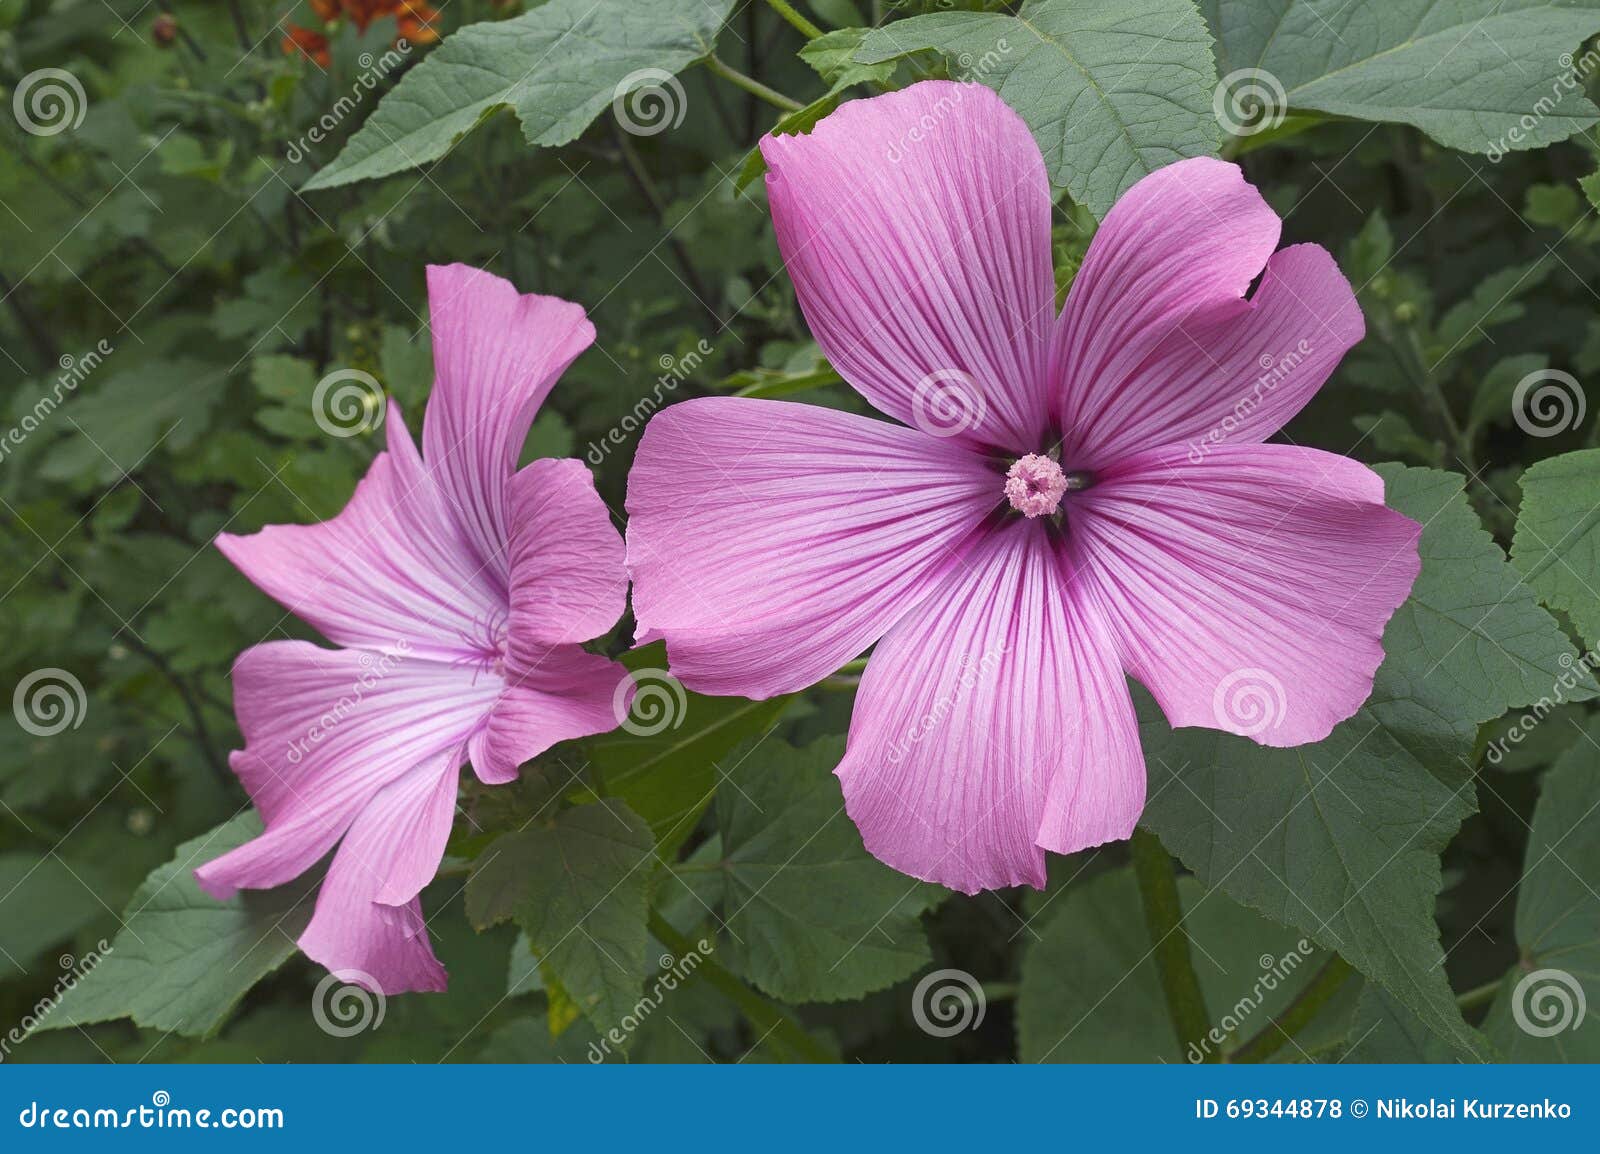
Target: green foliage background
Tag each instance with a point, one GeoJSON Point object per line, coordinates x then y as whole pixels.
{"type": "Point", "coordinates": [228, 223]}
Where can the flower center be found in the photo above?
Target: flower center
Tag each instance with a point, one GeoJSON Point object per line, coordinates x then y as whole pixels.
{"type": "Point", "coordinates": [1034, 485]}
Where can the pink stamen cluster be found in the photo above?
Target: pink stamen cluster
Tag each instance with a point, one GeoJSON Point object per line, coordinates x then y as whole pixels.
{"type": "Point", "coordinates": [1034, 485]}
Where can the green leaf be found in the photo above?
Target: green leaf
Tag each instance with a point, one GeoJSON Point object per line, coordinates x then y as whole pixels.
{"type": "Point", "coordinates": [664, 761]}
{"type": "Point", "coordinates": [1557, 542]}
{"type": "Point", "coordinates": [43, 900]}
{"type": "Point", "coordinates": [811, 916]}
{"type": "Point", "coordinates": [1470, 642]}
{"type": "Point", "coordinates": [183, 960]}
{"type": "Point", "coordinates": [557, 68]}
{"type": "Point", "coordinates": [1091, 991]}
{"type": "Point", "coordinates": [1535, 1017]}
{"type": "Point", "coordinates": [118, 425]}
{"type": "Point", "coordinates": [833, 56]}
{"type": "Point", "coordinates": [1469, 73]}
{"type": "Point", "coordinates": [1383, 1030]}
{"type": "Point", "coordinates": [1112, 89]}
{"type": "Point", "coordinates": [1342, 838]}
{"type": "Point", "coordinates": [578, 887]}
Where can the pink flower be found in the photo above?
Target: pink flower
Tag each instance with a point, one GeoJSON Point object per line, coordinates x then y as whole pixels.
{"type": "Point", "coordinates": [1068, 499]}
{"type": "Point", "coordinates": [458, 589]}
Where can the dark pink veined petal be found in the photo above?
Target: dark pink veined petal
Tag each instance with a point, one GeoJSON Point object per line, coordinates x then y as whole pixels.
{"type": "Point", "coordinates": [1239, 372]}
{"type": "Point", "coordinates": [916, 228]}
{"type": "Point", "coordinates": [994, 722]}
{"type": "Point", "coordinates": [1184, 242]}
{"type": "Point", "coordinates": [391, 571]}
{"type": "Point", "coordinates": [325, 731]}
{"type": "Point", "coordinates": [368, 925]}
{"type": "Point", "coordinates": [568, 583]}
{"type": "Point", "coordinates": [552, 693]}
{"type": "Point", "coordinates": [496, 354]}
{"type": "Point", "coordinates": [1248, 592]}
{"type": "Point", "coordinates": [771, 542]}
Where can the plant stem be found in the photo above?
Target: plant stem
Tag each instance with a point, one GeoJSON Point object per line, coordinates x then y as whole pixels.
{"type": "Point", "coordinates": [1479, 995]}
{"type": "Point", "coordinates": [640, 175]}
{"type": "Point", "coordinates": [1307, 1002]}
{"type": "Point", "coordinates": [768, 1020]}
{"type": "Point", "coordinates": [1163, 914]}
{"type": "Point", "coordinates": [783, 8]}
{"type": "Point", "coordinates": [751, 85]}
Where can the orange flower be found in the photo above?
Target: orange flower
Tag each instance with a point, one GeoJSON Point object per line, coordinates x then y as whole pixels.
{"type": "Point", "coordinates": [414, 23]}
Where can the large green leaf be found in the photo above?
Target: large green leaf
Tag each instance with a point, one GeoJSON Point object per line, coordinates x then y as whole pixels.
{"type": "Point", "coordinates": [666, 760]}
{"type": "Point", "coordinates": [810, 915]}
{"type": "Point", "coordinates": [1112, 89]}
{"type": "Point", "coordinates": [1471, 641]}
{"type": "Point", "coordinates": [578, 886]}
{"type": "Point", "coordinates": [557, 67]}
{"type": "Point", "coordinates": [1478, 75]}
{"type": "Point", "coordinates": [183, 960]}
{"type": "Point", "coordinates": [1342, 838]}
{"type": "Point", "coordinates": [1537, 1016]}
{"type": "Point", "coordinates": [1091, 991]}
{"type": "Point", "coordinates": [1384, 1031]}
{"type": "Point", "coordinates": [1557, 544]}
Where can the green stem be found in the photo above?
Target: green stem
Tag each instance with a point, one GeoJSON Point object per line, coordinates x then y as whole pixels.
{"type": "Point", "coordinates": [1163, 914]}
{"type": "Point", "coordinates": [1276, 1033]}
{"type": "Point", "coordinates": [783, 8]}
{"type": "Point", "coordinates": [1479, 995]}
{"type": "Point", "coordinates": [1000, 991]}
{"type": "Point", "coordinates": [751, 85]}
{"type": "Point", "coordinates": [768, 1021]}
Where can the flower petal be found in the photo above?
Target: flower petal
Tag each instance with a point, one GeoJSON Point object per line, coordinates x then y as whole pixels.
{"type": "Point", "coordinates": [552, 693]}
{"type": "Point", "coordinates": [568, 583]}
{"type": "Point", "coordinates": [771, 542]}
{"type": "Point", "coordinates": [368, 923]}
{"type": "Point", "coordinates": [993, 721]}
{"type": "Point", "coordinates": [1236, 373]}
{"type": "Point", "coordinates": [916, 227]}
{"type": "Point", "coordinates": [1185, 241]}
{"type": "Point", "coordinates": [1249, 592]}
{"type": "Point", "coordinates": [496, 354]}
{"type": "Point", "coordinates": [325, 731]}
{"type": "Point", "coordinates": [390, 572]}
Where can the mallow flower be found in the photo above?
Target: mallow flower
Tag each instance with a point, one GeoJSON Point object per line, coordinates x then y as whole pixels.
{"type": "Point", "coordinates": [458, 589]}
{"type": "Point", "coordinates": [1055, 502]}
